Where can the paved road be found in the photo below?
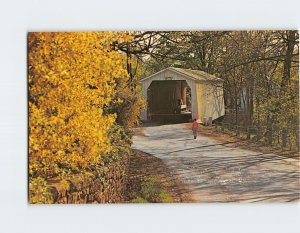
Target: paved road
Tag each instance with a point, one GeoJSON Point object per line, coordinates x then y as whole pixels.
{"type": "Point", "coordinates": [215, 172]}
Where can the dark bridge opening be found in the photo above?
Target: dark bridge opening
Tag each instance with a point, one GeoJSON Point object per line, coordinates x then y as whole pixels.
{"type": "Point", "coordinates": [169, 101]}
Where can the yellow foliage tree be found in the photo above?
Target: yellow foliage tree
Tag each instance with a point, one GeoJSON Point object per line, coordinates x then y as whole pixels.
{"type": "Point", "coordinates": [72, 77]}
{"type": "Point", "coordinates": [129, 92]}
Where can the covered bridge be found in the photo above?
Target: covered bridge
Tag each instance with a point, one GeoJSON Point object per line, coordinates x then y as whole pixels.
{"type": "Point", "coordinates": [176, 93]}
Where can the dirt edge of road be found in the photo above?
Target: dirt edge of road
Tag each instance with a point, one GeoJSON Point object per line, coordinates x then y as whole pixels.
{"type": "Point", "coordinates": [143, 165]}
{"type": "Point", "coordinates": [210, 132]}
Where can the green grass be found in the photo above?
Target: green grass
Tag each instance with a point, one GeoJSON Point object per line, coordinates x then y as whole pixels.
{"type": "Point", "coordinates": [165, 197]}
{"type": "Point", "coordinates": [139, 200]}
{"type": "Point", "coordinates": [152, 191]}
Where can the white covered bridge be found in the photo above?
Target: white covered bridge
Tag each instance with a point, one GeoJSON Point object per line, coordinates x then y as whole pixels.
{"type": "Point", "coordinates": [182, 93]}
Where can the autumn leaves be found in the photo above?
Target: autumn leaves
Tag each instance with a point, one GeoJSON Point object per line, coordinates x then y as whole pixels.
{"type": "Point", "coordinates": [72, 77]}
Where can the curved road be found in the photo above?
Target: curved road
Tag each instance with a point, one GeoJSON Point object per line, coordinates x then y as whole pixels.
{"type": "Point", "coordinates": [214, 172]}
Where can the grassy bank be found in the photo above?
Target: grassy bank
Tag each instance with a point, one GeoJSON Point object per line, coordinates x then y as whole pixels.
{"type": "Point", "coordinates": [151, 181]}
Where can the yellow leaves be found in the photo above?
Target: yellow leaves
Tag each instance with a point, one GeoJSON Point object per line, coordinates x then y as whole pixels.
{"type": "Point", "coordinates": [119, 101]}
{"type": "Point", "coordinates": [72, 77]}
{"type": "Point", "coordinates": [64, 184]}
{"type": "Point", "coordinates": [39, 191]}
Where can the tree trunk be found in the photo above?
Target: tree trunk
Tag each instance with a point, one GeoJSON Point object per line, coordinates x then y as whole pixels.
{"type": "Point", "coordinates": [291, 41]}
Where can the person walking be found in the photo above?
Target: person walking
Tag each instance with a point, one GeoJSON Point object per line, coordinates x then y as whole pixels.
{"type": "Point", "coordinates": [195, 128]}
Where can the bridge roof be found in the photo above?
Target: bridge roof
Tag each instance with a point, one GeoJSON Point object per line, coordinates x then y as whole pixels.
{"type": "Point", "coordinates": [192, 74]}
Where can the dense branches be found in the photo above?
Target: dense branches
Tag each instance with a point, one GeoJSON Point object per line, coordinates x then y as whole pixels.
{"type": "Point", "coordinates": [74, 79]}
{"type": "Point", "coordinates": [84, 92]}
{"type": "Point", "coordinates": [259, 69]}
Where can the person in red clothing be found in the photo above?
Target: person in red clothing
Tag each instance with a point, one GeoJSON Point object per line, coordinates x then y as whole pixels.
{"type": "Point", "coordinates": [195, 128]}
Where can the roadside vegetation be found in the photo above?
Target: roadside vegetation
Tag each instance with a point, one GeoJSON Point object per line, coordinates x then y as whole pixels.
{"type": "Point", "coordinates": [82, 101]}
{"type": "Point", "coordinates": [152, 181]}
{"type": "Point", "coordinates": [152, 190]}
{"type": "Point", "coordinates": [84, 93]}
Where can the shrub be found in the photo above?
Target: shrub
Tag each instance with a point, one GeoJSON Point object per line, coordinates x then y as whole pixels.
{"type": "Point", "coordinates": [72, 77]}
{"type": "Point", "coordinates": [39, 193]}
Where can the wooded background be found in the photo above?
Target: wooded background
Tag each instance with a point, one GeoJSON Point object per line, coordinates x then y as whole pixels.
{"type": "Point", "coordinates": [85, 95]}
{"type": "Point", "coordinates": [260, 70]}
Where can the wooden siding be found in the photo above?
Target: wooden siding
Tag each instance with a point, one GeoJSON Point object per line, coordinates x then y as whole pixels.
{"type": "Point", "coordinates": [205, 101]}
